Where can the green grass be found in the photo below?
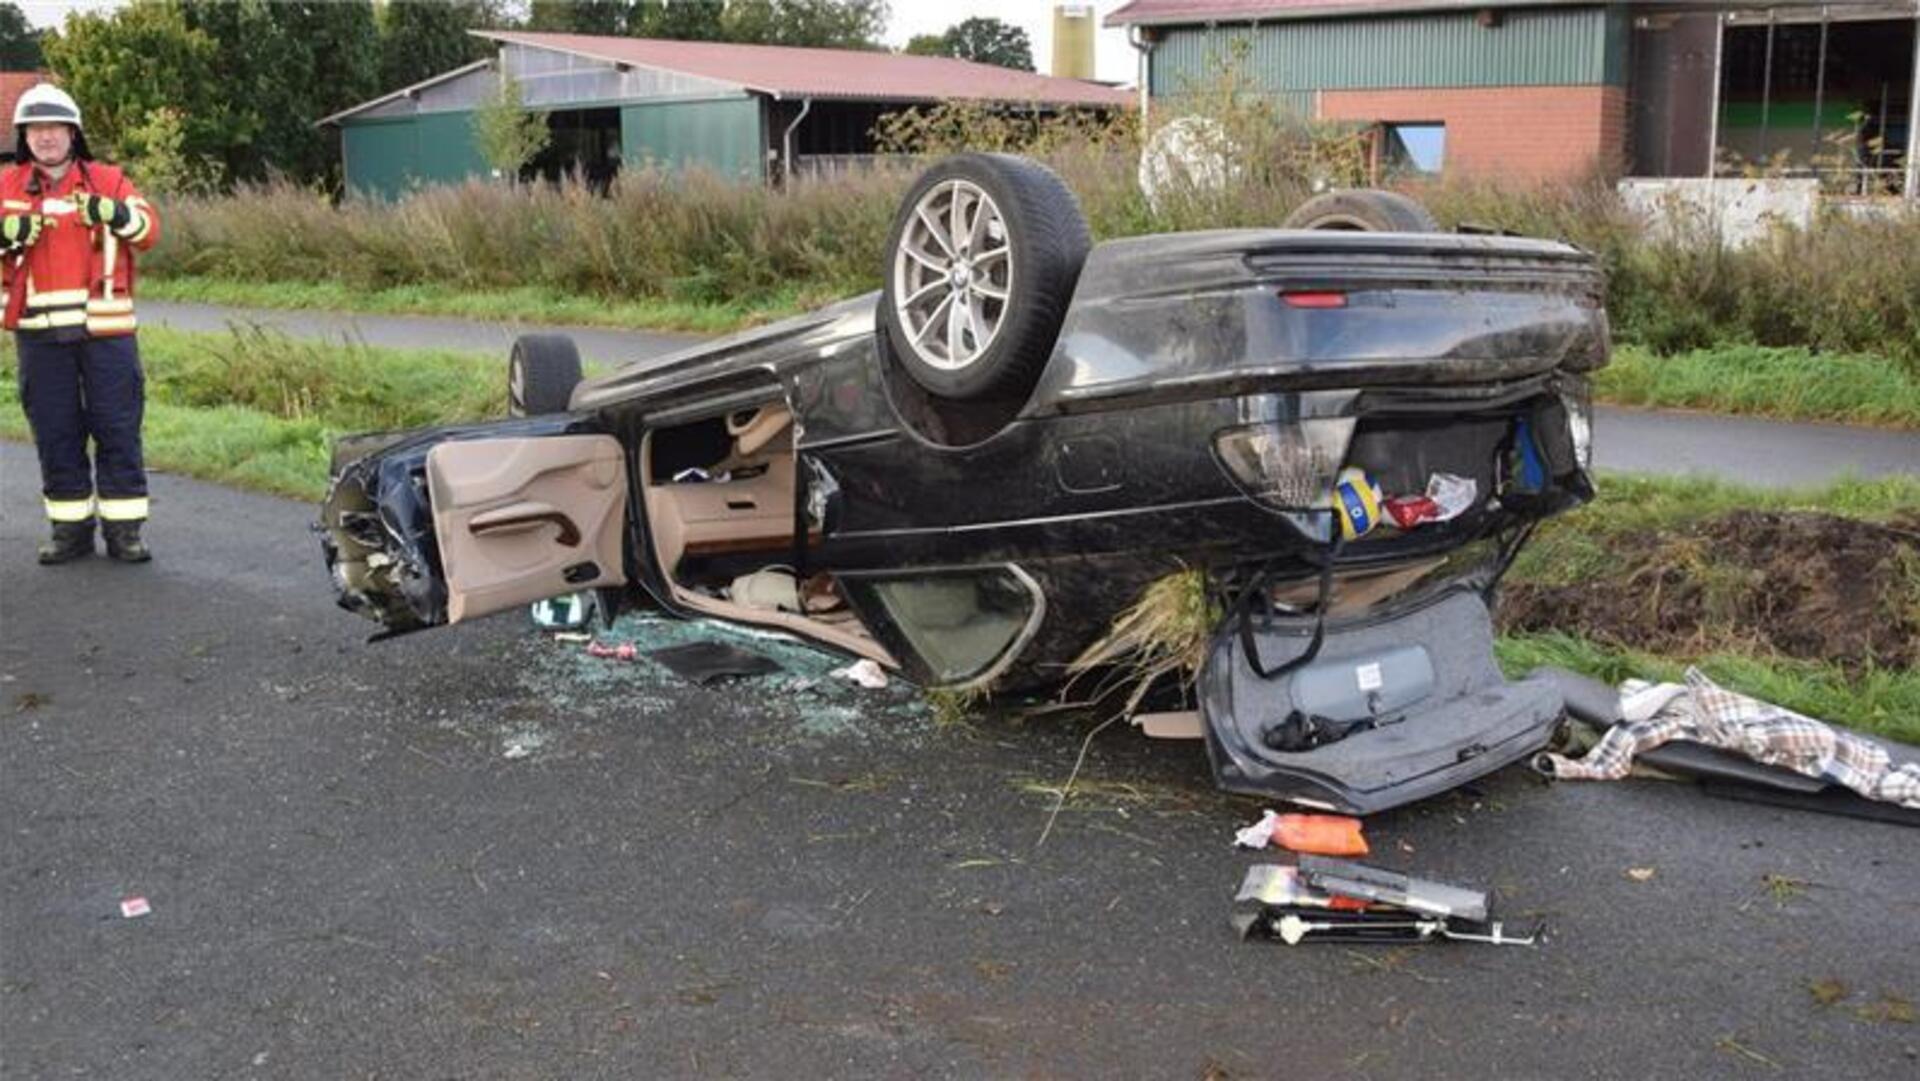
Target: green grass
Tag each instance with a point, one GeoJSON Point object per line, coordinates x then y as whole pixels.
{"type": "Point", "coordinates": [1885, 702]}
{"type": "Point", "coordinates": [1785, 383]}
{"type": "Point", "coordinates": [258, 410]}
{"type": "Point", "coordinates": [531, 304]}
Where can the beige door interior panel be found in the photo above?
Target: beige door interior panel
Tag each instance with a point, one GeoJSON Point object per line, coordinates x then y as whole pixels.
{"type": "Point", "coordinates": [516, 517]}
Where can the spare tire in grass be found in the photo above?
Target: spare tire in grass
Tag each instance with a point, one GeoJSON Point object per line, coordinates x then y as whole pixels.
{"type": "Point", "coordinates": [981, 264]}
{"type": "Point", "coordinates": [542, 371]}
{"type": "Point", "coordinates": [1362, 210]}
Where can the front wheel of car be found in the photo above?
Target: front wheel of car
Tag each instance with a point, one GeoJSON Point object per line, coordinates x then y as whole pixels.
{"type": "Point", "coordinates": [981, 264]}
{"type": "Point", "coordinates": [542, 371]}
{"type": "Point", "coordinates": [1362, 210]}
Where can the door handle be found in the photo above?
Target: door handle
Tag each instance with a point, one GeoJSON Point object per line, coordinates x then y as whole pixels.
{"type": "Point", "coordinates": [519, 517]}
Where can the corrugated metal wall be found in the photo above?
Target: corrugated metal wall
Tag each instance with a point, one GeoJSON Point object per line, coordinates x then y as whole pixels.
{"type": "Point", "coordinates": [391, 157]}
{"type": "Point", "coordinates": [1548, 47]}
{"type": "Point", "coordinates": [725, 136]}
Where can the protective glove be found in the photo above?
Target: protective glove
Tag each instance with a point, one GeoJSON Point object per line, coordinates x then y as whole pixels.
{"type": "Point", "coordinates": [100, 210]}
{"type": "Point", "coordinates": [19, 230]}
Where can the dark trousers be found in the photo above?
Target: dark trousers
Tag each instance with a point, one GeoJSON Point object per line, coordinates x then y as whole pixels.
{"type": "Point", "coordinates": [76, 391]}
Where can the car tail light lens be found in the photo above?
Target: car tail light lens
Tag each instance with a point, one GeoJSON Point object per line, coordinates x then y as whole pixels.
{"type": "Point", "coordinates": [1314, 300]}
{"type": "Point", "coordinates": [1290, 465]}
{"type": "Point", "coordinates": [1580, 426]}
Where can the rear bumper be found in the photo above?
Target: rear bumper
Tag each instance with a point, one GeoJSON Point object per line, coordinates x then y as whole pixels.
{"type": "Point", "coordinates": [1461, 719]}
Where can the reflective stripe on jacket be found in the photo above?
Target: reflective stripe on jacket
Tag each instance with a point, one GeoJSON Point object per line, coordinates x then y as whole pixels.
{"type": "Point", "coordinates": [65, 273]}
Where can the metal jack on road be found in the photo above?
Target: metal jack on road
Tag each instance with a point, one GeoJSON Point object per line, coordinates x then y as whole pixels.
{"type": "Point", "coordinates": [1293, 930]}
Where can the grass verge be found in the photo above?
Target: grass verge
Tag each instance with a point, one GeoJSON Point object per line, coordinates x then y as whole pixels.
{"type": "Point", "coordinates": [528, 304]}
{"type": "Point", "coordinates": [1572, 548]}
{"type": "Point", "coordinates": [1783, 383]}
{"type": "Point", "coordinates": [1885, 702]}
{"type": "Point", "coordinates": [257, 409]}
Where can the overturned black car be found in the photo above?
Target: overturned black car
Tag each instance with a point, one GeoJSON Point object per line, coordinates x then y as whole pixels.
{"type": "Point", "coordinates": [970, 475]}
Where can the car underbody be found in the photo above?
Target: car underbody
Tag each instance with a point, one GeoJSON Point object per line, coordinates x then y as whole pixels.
{"type": "Point", "coordinates": [1203, 397]}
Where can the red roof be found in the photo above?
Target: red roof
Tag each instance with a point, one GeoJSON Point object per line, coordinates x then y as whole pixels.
{"type": "Point", "coordinates": [1164, 12]}
{"type": "Point", "coordinates": [787, 72]}
{"type": "Point", "coordinates": [12, 85]}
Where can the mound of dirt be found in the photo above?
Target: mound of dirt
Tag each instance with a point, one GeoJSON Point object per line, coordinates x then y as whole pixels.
{"type": "Point", "coordinates": [1810, 586]}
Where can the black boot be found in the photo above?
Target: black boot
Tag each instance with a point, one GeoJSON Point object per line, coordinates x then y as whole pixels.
{"type": "Point", "coordinates": [69, 542]}
{"type": "Point", "coordinates": [123, 541]}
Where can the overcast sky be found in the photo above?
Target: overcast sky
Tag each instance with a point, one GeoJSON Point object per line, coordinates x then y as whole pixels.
{"type": "Point", "coordinates": [1113, 58]}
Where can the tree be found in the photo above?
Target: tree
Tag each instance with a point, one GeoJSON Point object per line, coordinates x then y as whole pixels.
{"type": "Point", "coordinates": [610, 17]}
{"type": "Point", "coordinates": [680, 20]}
{"type": "Point", "coordinates": [423, 38]}
{"type": "Point", "coordinates": [283, 65]}
{"type": "Point", "coordinates": [926, 45]}
{"type": "Point", "coordinates": [158, 148]}
{"type": "Point", "coordinates": [124, 65]}
{"type": "Point", "coordinates": [507, 134]}
{"type": "Point", "coordinates": [985, 40]}
{"type": "Point", "coordinates": [830, 24]}
{"type": "Point", "coordinates": [19, 41]}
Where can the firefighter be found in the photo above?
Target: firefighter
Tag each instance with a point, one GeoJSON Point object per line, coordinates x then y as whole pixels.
{"type": "Point", "coordinates": [68, 229]}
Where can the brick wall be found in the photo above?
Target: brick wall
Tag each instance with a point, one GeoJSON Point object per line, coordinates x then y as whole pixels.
{"type": "Point", "coordinates": [1513, 132]}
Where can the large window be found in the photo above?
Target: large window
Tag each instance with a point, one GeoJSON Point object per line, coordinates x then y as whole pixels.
{"type": "Point", "coordinates": [1416, 148]}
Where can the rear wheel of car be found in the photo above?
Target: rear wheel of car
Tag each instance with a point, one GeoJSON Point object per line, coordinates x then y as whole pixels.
{"type": "Point", "coordinates": [981, 264]}
{"type": "Point", "coordinates": [542, 371]}
{"type": "Point", "coordinates": [1362, 210]}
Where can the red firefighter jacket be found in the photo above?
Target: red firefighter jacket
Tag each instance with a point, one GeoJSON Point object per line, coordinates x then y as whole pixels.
{"type": "Point", "coordinates": [72, 275]}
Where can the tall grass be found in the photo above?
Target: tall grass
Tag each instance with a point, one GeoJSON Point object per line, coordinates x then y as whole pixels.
{"type": "Point", "coordinates": [1885, 702]}
{"type": "Point", "coordinates": [1790, 383]}
{"type": "Point", "coordinates": [688, 237]}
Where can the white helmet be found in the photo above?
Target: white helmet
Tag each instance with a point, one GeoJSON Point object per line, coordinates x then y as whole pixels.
{"type": "Point", "coordinates": [45, 103]}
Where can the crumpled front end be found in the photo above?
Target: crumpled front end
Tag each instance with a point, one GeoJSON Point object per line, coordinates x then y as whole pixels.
{"type": "Point", "coordinates": [376, 523]}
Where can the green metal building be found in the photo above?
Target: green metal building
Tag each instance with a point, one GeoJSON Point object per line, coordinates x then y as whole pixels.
{"type": "Point", "coordinates": [1547, 89]}
{"type": "Point", "coordinates": [748, 111]}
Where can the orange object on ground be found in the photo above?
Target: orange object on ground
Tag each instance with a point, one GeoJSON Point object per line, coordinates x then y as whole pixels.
{"type": "Point", "coordinates": [1320, 835]}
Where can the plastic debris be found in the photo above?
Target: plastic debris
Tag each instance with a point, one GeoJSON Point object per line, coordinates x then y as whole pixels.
{"type": "Point", "coordinates": [1323, 835]}
{"type": "Point", "coordinates": [522, 744]}
{"type": "Point", "coordinates": [1319, 834]}
{"type": "Point", "coordinates": [625, 651]}
{"type": "Point", "coordinates": [1448, 496]}
{"type": "Point", "coordinates": [562, 613]}
{"type": "Point", "coordinates": [134, 908]}
{"type": "Point", "coordinates": [867, 673]}
{"type": "Point", "coordinates": [1260, 834]}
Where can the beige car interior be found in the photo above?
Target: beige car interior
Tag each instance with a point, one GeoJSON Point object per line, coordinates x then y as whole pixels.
{"type": "Point", "coordinates": [734, 514]}
{"type": "Point", "coordinates": [519, 520]}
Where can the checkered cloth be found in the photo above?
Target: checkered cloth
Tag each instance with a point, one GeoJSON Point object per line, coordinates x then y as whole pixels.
{"type": "Point", "coordinates": [1705, 712]}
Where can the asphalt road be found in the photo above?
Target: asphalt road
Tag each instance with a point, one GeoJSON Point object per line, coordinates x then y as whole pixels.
{"type": "Point", "coordinates": [603, 344]}
{"type": "Point", "coordinates": [475, 853]}
{"type": "Point", "coordinates": [1746, 450]}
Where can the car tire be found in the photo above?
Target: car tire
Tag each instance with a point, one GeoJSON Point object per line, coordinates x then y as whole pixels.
{"type": "Point", "coordinates": [542, 371]}
{"type": "Point", "coordinates": [1362, 210]}
{"type": "Point", "coordinates": [981, 264]}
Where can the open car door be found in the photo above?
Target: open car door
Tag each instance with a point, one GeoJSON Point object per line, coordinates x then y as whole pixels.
{"type": "Point", "coordinates": [520, 520]}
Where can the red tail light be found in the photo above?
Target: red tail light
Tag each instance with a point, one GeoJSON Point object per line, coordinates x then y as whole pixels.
{"type": "Point", "coordinates": [1315, 300]}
